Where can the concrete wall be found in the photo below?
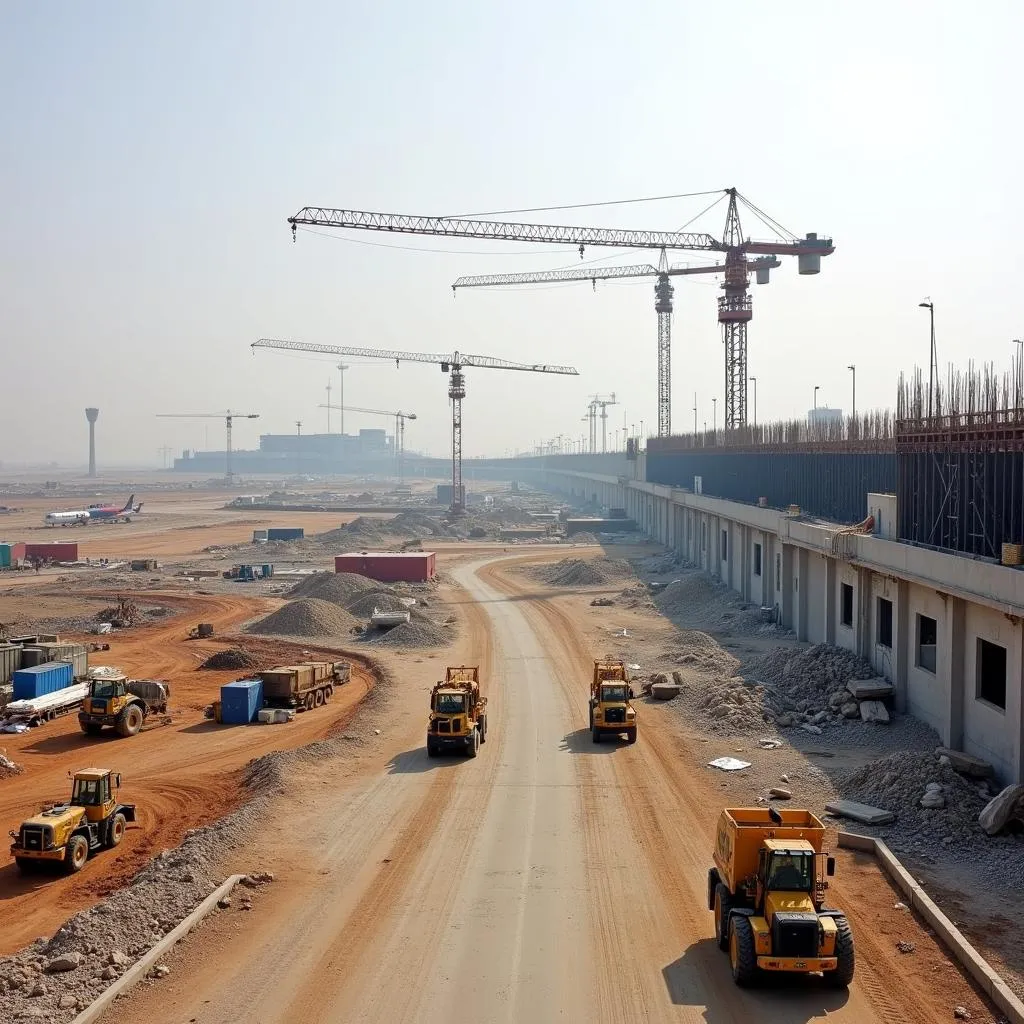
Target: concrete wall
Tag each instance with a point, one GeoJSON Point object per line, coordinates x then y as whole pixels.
{"type": "Point", "coordinates": [806, 563]}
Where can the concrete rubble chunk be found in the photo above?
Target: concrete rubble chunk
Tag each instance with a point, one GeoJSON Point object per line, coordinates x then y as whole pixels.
{"type": "Point", "coordinates": [851, 709]}
{"type": "Point", "coordinates": [860, 812]}
{"type": "Point", "coordinates": [1001, 810]}
{"type": "Point", "coordinates": [664, 691]}
{"type": "Point", "coordinates": [118, 959]}
{"type": "Point", "coordinates": [819, 718]}
{"type": "Point", "coordinates": [779, 793]}
{"type": "Point", "coordinates": [870, 689]}
{"type": "Point", "coordinates": [813, 729]}
{"type": "Point", "coordinates": [966, 764]}
{"type": "Point", "coordinates": [873, 711]}
{"type": "Point", "coordinates": [68, 962]}
{"type": "Point", "coordinates": [933, 800]}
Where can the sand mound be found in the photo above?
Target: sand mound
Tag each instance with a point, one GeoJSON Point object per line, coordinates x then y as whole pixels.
{"type": "Point", "coordinates": [337, 587]}
{"type": "Point", "coordinates": [383, 600]}
{"type": "Point", "coordinates": [579, 572]}
{"type": "Point", "coordinates": [232, 658]}
{"type": "Point", "coordinates": [309, 616]}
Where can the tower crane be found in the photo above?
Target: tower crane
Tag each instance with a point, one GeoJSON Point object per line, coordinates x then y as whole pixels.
{"type": "Point", "coordinates": [663, 293]}
{"type": "Point", "coordinates": [228, 416]}
{"type": "Point", "coordinates": [400, 418]}
{"type": "Point", "coordinates": [452, 364]}
{"type": "Point", "coordinates": [734, 307]}
{"type": "Point", "coordinates": [599, 402]}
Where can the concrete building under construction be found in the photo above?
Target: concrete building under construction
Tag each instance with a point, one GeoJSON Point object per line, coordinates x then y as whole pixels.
{"type": "Point", "coordinates": [900, 541]}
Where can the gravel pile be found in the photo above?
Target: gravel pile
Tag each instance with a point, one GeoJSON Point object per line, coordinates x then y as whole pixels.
{"type": "Point", "coordinates": [416, 524]}
{"type": "Point", "coordinates": [579, 572]}
{"type": "Point", "coordinates": [702, 652]}
{"type": "Point", "coordinates": [583, 538]}
{"type": "Point", "coordinates": [309, 616]}
{"type": "Point", "coordinates": [339, 587]}
{"type": "Point", "coordinates": [359, 533]}
{"type": "Point", "coordinates": [701, 601]}
{"type": "Point", "coordinates": [232, 658]}
{"type": "Point", "coordinates": [413, 634]}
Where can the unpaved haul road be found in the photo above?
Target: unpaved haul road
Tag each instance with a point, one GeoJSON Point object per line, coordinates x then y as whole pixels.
{"type": "Point", "coordinates": [548, 880]}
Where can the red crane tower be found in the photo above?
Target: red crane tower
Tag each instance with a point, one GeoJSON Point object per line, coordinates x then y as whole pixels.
{"type": "Point", "coordinates": [450, 364]}
{"type": "Point", "coordinates": [734, 307]}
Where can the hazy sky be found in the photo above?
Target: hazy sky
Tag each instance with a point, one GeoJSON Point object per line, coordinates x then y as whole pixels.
{"type": "Point", "coordinates": [153, 151]}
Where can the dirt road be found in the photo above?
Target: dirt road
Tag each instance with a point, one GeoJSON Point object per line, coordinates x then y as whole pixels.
{"type": "Point", "coordinates": [180, 775]}
{"type": "Point", "coordinates": [547, 880]}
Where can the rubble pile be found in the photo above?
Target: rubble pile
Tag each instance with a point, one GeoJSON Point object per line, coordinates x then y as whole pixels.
{"type": "Point", "coordinates": [232, 658]}
{"type": "Point", "coordinates": [307, 617]}
{"type": "Point", "coordinates": [579, 572]}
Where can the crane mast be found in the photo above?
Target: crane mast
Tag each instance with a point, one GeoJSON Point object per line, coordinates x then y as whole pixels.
{"type": "Point", "coordinates": [400, 418]}
{"type": "Point", "coordinates": [452, 364]}
{"type": "Point", "coordinates": [734, 306]}
{"type": "Point", "coordinates": [228, 416]}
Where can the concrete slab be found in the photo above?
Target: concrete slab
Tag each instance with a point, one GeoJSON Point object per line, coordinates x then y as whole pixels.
{"type": "Point", "coordinates": [860, 812]}
{"type": "Point", "coordinates": [664, 691]}
{"type": "Point", "coordinates": [870, 689]}
{"type": "Point", "coordinates": [966, 764]}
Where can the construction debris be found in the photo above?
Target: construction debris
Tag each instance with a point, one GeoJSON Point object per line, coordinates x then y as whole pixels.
{"type": "Point", "coordinates": [860, 812]}
{"type": "Point", "coordinates": [233, 658]}
{"type": "Point", "coordinates": [999, 812]}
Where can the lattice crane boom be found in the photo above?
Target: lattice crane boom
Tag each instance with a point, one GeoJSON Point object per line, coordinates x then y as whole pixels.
{"type": "Point", "coordinates": [400, 418]}
{"type": "Point", "coordinates": [451, 364]}
{"type": "Point", "coordinates": [734, 306]}
{"type": "Point", "coordinates": [228, 416]}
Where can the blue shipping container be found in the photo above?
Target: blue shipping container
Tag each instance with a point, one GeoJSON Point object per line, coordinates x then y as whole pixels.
{"type": "Point", "coordinates": [40, 680]}
{"type": "Point", "coordinates": [240, 701]}
{"type": "Point", "coordinates": [285, 533]}
{"type": "Point", "coordinates": [268, 571]}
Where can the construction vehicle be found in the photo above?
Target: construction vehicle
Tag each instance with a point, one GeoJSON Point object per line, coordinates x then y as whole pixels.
{"type": "Point", "coordinates": [458, 713]}
{"type": "Point", "coordinates": [116, 702]}
{"type": "Point", "coordinates": [67, 833]}
{"type": "Point", "coordinates": [308, 685]}
{"type": "Point", "coordinates": [767, 892]}
{"type": "Point", "coordinates": [611, 709]}
{"type": "Point", "coordinates": [200, 632]}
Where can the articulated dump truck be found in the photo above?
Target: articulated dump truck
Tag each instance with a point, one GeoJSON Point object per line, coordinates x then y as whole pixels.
{"type": "Point", "coordinates": [611, 709]}
{"type": "Point", "coordinates": [458, 714]}
{"type": "Point", "coordinates": [767, 892]}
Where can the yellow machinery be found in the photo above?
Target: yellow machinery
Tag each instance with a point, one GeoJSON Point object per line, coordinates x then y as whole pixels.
{"type": "Point", "coordinates": [458, 714]}
{"type": "Point", "coordinates": [120, 703]}
{"type": "Point", "coordinates": [67, 833]}
{"type": "Point", "coordinates": [767, 891]}
{"type": "Point", "coordinates": [611, 709]}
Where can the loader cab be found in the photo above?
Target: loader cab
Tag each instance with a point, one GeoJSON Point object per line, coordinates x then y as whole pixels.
{"type": "Point", "coordinates": [107, 689]}
{"type": "Point", "coordinates": [615, 693]}
{"type": "Point", "coordinates": [92, 789]}
{"type": "Point", "coordinates": [450, 702]}
{"type": "Point", "coordinates": [789, 872]}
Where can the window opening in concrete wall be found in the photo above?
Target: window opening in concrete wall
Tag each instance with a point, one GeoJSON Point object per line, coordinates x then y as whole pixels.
{"type": "Point", "coordinates": [846, 604]}
{"type": "Point", "coordinates": [778, 572]}
{"type": "Point", "coordinates": [884, 622]}
{"type": "Point", "coordinates": [927, 640]}
{"type": "Point", "coordinates": [991, 674]}
{"type": "Point", "coordinates": [725, 545]}
{"type": "Point", "coordinates": [757, 559]}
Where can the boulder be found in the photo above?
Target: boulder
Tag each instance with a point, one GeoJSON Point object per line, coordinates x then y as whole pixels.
{"type": "Point", "coordinates": [778, 793]}
{"type": "Point", "coordinates": [118, 959]}
{"type": "Point", "coordinates": [784, 721]}
{"type": "Point", "coordinates": [68, 962]}
{"type": "Point", "coordinates": [851, 709]}
{"type": "Point", "coordinates": [1001, 810]}
{"type": "Point", "coordinates": [813, 729]}
{"type": "Point", "coordinates": [837, 699]}
{"type": "Point", "coordinates": [933, 799]}
{"type": "Point", "coordinates": [677, 677]}
{"type": "Point", "coordinates": [873, 711]}
{"type": "Point", "coordinates": [869, 689]}
{"type": "Point", "coordinates": [819, 718]}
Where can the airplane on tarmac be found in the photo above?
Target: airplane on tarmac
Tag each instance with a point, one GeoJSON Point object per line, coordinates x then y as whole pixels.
{"type": "Point", "coordinates": [94, 513]}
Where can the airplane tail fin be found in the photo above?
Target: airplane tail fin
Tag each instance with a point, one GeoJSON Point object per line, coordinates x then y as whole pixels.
{"type": "Point", "coordinates": [138, 508]}
{"type": "Point", "coordinates": [128, 507]}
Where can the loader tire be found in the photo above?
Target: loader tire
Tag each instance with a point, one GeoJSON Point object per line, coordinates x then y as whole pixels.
{"type": "Point", "coordinates": [27, 865]}
{"type": "Point", "coordinates": [473, 744]}
{"type": "Point", "coordinates": [309, 702]}
{"type": "Point", "coordinates": [631, 735]}
{"type": "Point", "coordinates": [742, 956]}
{"type": "Point", "coordinates": [318, 700]}
{"type": "Point", "coordinates": [116, 830]}
{"type": "Point", "coordinates": [90, 728]}
{"type": "Point", "coordinates": [76, 854]}
{"type": "Point", "coordinates": [431, 749]}
{"type": "Point", "coordinates": [129, 722]}
{"type": "Point", "coordinates": [590, 708]}
{"type": "Point", "coordinates": [483, 729]}
{"type": "Point", "coordinates": [595, 735]}
{"type": "Point", "coordinates": [328, 693]}
{"type": "Point", "coordinates": [723, 905]}
{"type": "Point", "coordinates": [843, 974]}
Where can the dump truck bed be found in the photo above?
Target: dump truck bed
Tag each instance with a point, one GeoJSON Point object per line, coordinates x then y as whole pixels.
{"type": "Point", "coordinates": [743, 830]}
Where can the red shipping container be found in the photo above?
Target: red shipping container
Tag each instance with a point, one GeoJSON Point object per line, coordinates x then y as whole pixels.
{"type": "Point", "coordinates": [57, 552]}
{"type": "Point", "coordinates": [389, 566]}
{"type": "Point", "coordinates": [17, 549]}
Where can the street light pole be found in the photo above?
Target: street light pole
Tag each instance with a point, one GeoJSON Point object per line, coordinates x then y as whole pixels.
{"type": "Point", "coordinates": [817, 388]}
{"type": "Point", "coordinates": [933, 368]}
{"type": "Point", "coordinates": [695, 413]}
{"type": "Point", "coordinates": [853, 370]}
{"type": "Point", "coordinates": [342, 367]}
{"type": "Point", "coordinates": [754, 379]}
{"type": "Point", "coordinates": [714, 419]}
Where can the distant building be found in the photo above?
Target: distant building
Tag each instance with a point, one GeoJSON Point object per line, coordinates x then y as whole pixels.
{"type": "Point", "coordinates": [823, 415]}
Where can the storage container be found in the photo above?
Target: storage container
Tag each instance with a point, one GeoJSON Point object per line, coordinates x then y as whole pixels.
{"type": "Point", "coordinates": [56, 552]}
{"type": "Point", "coordinates": [40, 680]}
{"type": "Point", "coordinates": [268, 570]}
{"type": "Point", "coordinates": [286, 533]}
{"type": "Point", "coordinates": [259, 536]}
{"type": "Point", "coordinates": [240, 701]}
{"type": "Point", "coordinates": [389, 566]}
{"type": "Point", "coordinates": [265, 716]}
{"type": "Point", "coordinates": [10, 661]}
{"type": "Point", "coordinates": [31, 655]}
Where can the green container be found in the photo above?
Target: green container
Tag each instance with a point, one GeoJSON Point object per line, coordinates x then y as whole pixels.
{"type": "Point", "coordinates": [5, 556]}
